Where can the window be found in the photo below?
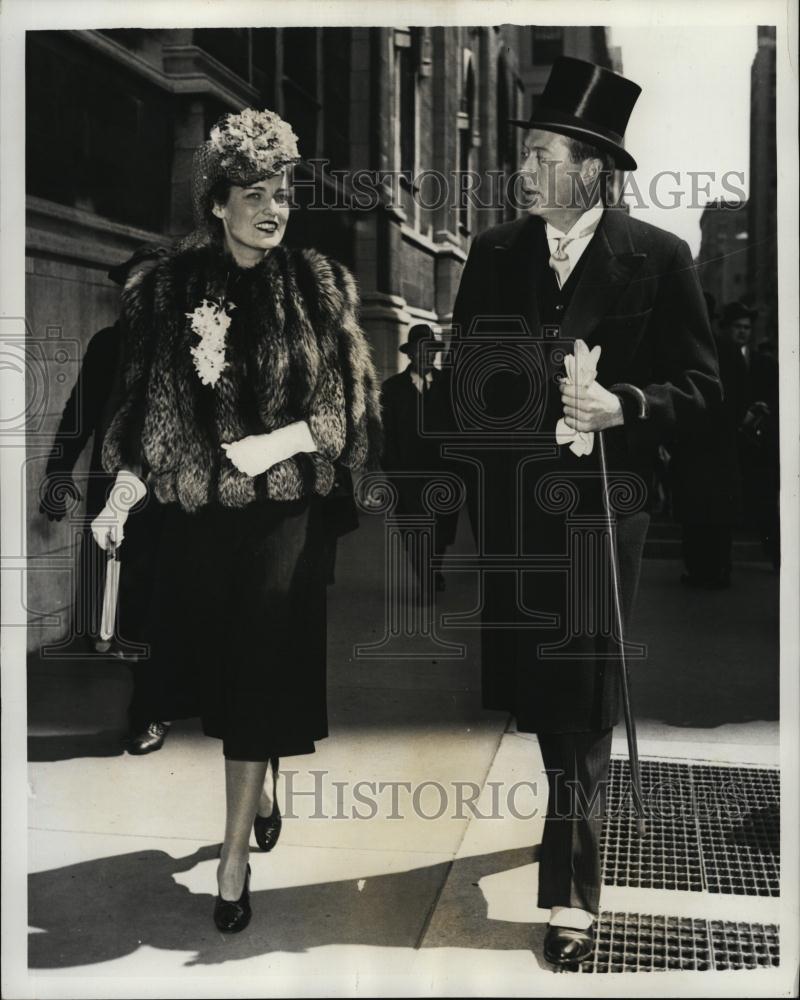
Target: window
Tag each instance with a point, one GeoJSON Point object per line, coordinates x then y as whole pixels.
{"type": "Point", "coordinates": [405, 118]}
{"type": "Point", "coordinates": [406, 108]}
{"type": "Point", "coordinates": [264, 46]}
{"type": "Point", "coordinates": [300, 69]}
{"type": "Point", "coordinates": [230, 46]}
{"type": "Point", "coordinates": [503, 112]}
{"type": "Point", "coordinates": [336, 95]}
{"type": "Point", "coordinates": [109, 131]}
{"type": "Point", "coordinates": [548, 44]}
{"type": "Point", "coordinates": [466, 126]}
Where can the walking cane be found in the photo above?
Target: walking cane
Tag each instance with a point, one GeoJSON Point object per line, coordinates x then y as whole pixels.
{"type": "Point", "coordinates": [630, 723]}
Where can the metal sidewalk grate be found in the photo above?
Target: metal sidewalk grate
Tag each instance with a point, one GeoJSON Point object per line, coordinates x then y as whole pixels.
{"type": "Point", "coordinates": [741, 843]}
{"type": "Point", "coordinates": [633, 942]}
{"type": "Point", "coordinates": [710, 828]}
{"type": "Point", "coordinates": [669, 857]}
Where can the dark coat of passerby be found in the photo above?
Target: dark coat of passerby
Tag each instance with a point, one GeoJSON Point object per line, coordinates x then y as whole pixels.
{"type": "Point", "coordinates": [416, 410]}
{"type": "Point", "coordinates": [706, 476]}
{"type": "Point", "coordinates": [759, 431]}
{"type": "Point", "coordinates": [530, 289]}
{"type": "Point", "coordinates": [86, 415]}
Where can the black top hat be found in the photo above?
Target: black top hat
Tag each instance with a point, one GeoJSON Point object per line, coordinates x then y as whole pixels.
{"type": "Point", "coordinates": [421, 331]}
{"type": "Point", "coordinates": [589, 103]}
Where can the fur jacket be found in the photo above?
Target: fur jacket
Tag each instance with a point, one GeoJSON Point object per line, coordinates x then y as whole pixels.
{"type": "Point", "coordinates": [294, 351]}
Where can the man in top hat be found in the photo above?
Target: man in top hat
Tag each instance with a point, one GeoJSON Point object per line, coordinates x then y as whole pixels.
{"type": "Point", "coordinates": [573, 269]}
{"type": "Point", "coordinates": [414, 404]}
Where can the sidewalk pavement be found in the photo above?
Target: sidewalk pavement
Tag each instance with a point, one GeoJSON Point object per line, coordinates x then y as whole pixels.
{"type": "Point", "coordinates": [123, 849]}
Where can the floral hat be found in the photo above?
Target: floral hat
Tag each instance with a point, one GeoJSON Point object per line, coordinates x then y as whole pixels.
{"type": "Point", "coordinates": [241, 148]}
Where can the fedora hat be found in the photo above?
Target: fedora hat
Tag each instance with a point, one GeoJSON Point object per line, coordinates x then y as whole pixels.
{"type": "Point", "coordinates": [418, 332]}
{"type": "Point", "coordinates": [734, 311]}
{"type": "Point", "coordinates": [586, 102]}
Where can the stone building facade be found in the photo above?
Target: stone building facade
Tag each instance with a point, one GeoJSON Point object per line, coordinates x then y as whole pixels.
{"type": "Point", "coordinates": [723, 256]}
{"type": "Point", "coordinates": [763, 201]}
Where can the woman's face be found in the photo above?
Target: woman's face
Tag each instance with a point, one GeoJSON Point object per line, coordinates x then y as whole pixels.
{"type": "Point", "coordinates": [254, 217]}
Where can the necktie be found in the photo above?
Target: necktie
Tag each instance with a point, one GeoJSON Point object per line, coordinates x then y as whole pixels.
{"type": "Point", "coordinates": [559, 261]}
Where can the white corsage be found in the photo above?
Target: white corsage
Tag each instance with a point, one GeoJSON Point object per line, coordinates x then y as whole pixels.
{"type": "Point", "coordinates": [210, 321]}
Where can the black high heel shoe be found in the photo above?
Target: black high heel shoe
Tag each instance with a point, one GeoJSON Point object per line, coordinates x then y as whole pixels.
{"type": "Point", "coordinates": [232, 916]}
{"type": "Point", "coordinates": [268, 828]}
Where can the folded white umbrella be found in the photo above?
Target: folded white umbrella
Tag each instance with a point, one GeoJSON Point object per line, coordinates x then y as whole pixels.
{"type": "Point", "coordinates": [110, 598]}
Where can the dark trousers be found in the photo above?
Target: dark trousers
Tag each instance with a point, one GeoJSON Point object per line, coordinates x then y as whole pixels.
{"type": "Point", "coordinates": [569, 859]}
{"type": "Point", "coordinates": [707, 552]}
{"type": "Point", "coordinates": [137, 579]}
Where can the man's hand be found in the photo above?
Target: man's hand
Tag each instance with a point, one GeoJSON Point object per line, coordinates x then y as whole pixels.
{"type": "Point", "coordinates": [590, 408]}
{"type": "Point", "coordinates": [59, 494]}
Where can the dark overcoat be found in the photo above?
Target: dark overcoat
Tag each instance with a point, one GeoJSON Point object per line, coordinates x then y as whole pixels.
{"type": "Point", "coordinates": [705, 472]}
{"type": "Point", "coordinates": [413, 425]}
{"type": "Point", "coordinates": [546, 654]}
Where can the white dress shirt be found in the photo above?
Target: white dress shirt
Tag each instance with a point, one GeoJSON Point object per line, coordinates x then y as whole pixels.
{"type": "Point", "coordinates": [416, 378]}
{"type": "Point", "coordinates": [575, 248]}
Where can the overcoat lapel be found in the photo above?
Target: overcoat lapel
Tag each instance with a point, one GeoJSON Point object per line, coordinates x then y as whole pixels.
{"type": "Point", "coordinates": [611, 264]}
{"type": "Point", "coordinates": [517, 263]}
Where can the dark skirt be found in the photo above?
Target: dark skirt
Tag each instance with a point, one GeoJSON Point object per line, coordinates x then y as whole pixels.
{"type": "Point", "coordinates": [238, 625]}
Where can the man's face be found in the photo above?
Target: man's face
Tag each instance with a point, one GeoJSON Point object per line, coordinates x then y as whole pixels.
{"type": "Point", "coordinates": [740, 331]}
{"type": "Point", "coordinates": [550, 179]}
{"type": "Point", "coordinates": [422, 360]}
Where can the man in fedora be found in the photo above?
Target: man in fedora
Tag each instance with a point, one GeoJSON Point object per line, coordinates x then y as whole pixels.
{"type": "Point", "coordinates": [418, 389]}
{"type": "Point", "coordinates": [572, 269]}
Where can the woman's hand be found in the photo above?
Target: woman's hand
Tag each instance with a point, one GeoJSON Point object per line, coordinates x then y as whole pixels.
{"type": "Point", "coordinates": [108, 527]}
{"type": "Point", "coordinates": [256, 453]}
{"type": "Point", "coordinates": [253, 454]}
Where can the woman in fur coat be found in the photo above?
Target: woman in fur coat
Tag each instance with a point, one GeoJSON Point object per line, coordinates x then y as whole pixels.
{"type": "Point", "coordinates": [247, 388]}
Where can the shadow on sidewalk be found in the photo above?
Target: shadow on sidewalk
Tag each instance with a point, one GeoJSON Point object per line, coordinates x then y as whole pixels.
{"type": "Point", "coordinates": [67, 746]}
{"type": "Point", "coordinates": [100, 910]}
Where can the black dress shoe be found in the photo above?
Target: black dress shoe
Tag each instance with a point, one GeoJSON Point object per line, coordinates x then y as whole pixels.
{"type": "Point", "coordinates": [567, 945]}
{"type": "Point", "coordinates": [232, 916]}
{"type": "Point", "coordinates": [149, 739]}
{"type": "Point", "coordinates": [268, 828]}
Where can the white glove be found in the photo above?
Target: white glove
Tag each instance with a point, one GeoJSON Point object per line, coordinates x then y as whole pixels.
{"type": "Point", "coordinates": [108, 526]}
{"type": "Point", "coordinates": [256, 453]}
{"type": "Point", "coordinates": [581, 370]}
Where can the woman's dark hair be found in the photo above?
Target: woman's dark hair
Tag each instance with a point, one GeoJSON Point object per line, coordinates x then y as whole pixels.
{"type": "Point", "coordinates": [580, 151]}
{"type": "Point", "coordinates": [217, 194]}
